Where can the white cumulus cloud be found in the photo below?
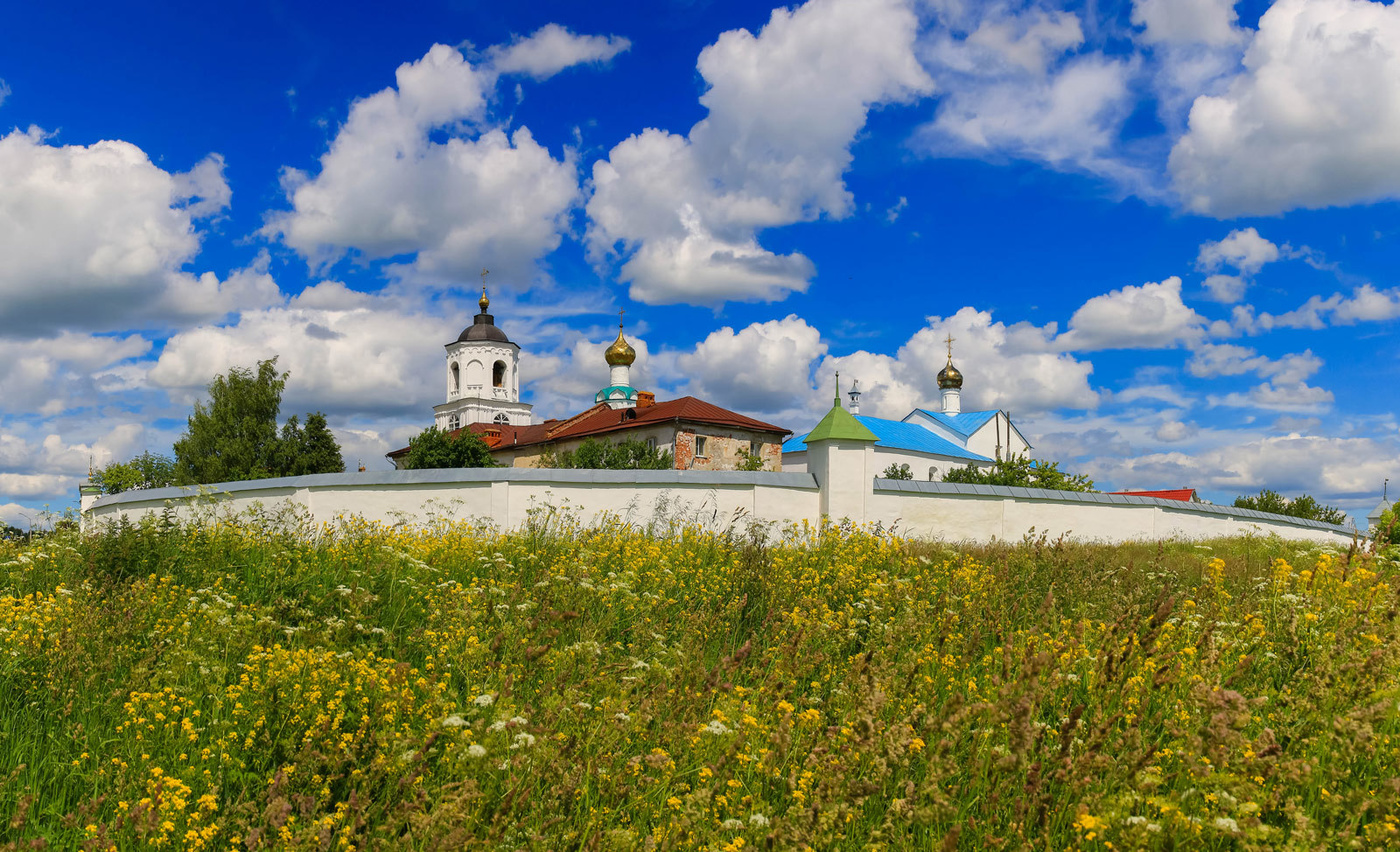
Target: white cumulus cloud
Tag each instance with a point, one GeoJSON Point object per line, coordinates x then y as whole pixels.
{"type": "Point", "coordinates": [1243, 249]}
{"type": "Point", "coordinates": [1313, 120]}
{"type": "Point", "coordinates": [551, 49]}
{"type": "Point", "coordinates": [1207, 22]}
{"type": "Point", "coordinates": [1015, 82]}
{"type": "Point", "coordinates": [96, 236]}
{"type": "Point", "coordinates": [387, 188]}
{"type": "Point", "coordinates": [683, 212]}
{"type": "Point", "coordinates": [763, 367]}
{"type": "Point", "coordinates": [1150, 316]}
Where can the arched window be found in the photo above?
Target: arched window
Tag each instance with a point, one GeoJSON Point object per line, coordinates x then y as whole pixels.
{"type": "Point", "coordinates": [932, 472]}
{"type": "Point", "coordinates": [502, 418]}
{"type": "Point", "coordinates": [456, 377]}
{"type": "Point", "coordinates": [453, 422]}
{"type": "Point", "coordinates": [498, 375]}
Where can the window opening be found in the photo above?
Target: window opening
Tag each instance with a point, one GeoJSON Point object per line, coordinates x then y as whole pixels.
{"type": "Point", "coordinates": [700, 446]}
{"type": "Point", "coordinates": [502, 418]}
{"type": "Point", "coordinates": [498, 374]}
{"type": "Point", "coordinates": [456, 377]}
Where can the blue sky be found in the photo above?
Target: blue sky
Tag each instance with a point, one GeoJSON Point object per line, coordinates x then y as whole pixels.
{"type": "Point", "coordinates": [1163, 232]}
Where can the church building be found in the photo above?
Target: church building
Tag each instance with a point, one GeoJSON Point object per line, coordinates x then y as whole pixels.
{"type": "Point", "coordinates": [483, 396]}
{"type": "Point", "coordinates": [931, 442]}
{"type": "Point", "coordinates": [483, 377]}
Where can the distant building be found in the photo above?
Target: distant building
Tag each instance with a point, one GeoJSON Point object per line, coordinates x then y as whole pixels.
{"type": "Point", "coordinates": [1382, 507]}
{"type": "Point", "coordinates": [699, 435]}
{"type": "Point", "coordinates": [931, 442]}
{"type": "Point", "coordinates": [1185, 495]}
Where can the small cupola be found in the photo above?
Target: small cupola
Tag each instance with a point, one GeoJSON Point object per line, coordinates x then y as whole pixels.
{"type": "Point", "coordinates": [950, 383]}
{"type": "Point", "coordinates": [620, 356]}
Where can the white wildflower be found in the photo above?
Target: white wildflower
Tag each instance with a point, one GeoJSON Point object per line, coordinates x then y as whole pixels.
{"type": "Point", "coordinates": [758, 819]}
{"type": "Point", "coordinates": [484, 700]}
{"type": "Point", "coordinates": [622, 717]}
{"type": "Point", "coordinates": [476, 750]}
{"type": "Point", "coordinates": [584, 704]}
{"type": "Point", "coordinates": [519, 720]}
{"type": "Point", "coordinates": [498, 725]}
{"type": "Point", "coordinates": [716, 727]}
{"type": "Point", "coordinates": [1136, 820]}
{"type": "Point", "coordinates": [524, 740]}
{"type": "Point", "coordinates": [1227, 824]}
{"type": "Point", "coordinates": [732, 824]}
{"type": "Point", "coordinates": [453, 721]}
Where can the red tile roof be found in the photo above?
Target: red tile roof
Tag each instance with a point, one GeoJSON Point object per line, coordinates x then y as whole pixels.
{"type": "Point", "coordinates": [1185, 495]}
{"type": "Point", "coordinates": [602, 420]}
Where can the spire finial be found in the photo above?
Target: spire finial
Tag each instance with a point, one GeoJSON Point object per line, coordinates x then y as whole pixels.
{"type": "Point", "coordinates": [483, 301]}
{"type": "Point", "coordinates": [950, 348]}
{"type": "Point", "coordinates": [837, 398]}
{"type": "Point", "coordinates": [620, 312]}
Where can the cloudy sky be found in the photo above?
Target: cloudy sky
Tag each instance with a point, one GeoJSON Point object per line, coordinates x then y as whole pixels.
{"type": "Point", "coordinates": [1162, 232]}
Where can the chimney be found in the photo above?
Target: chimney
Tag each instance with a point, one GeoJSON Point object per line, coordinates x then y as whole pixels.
{"type": "Point", "coordinates": [645, 399]}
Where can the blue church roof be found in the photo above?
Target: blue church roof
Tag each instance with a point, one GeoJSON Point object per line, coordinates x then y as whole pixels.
{"type": "Point", "coordinates": [965, 423]}
{"type": "Point", "coordinates": [896, 435]}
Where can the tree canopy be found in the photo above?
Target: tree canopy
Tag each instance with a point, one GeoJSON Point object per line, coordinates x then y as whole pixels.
{"type": "Point", "coordinates": [600, 454]}
{"type": "Point", "coordinates": [1024, 472]}
{"type": "Point", "coordinates": [147, 470]}
{"type": "Point", "coordinates": [435, 448]}
{"type": "Point", "coordinates": [235, 437]}
{"type": "Point", "coordinates": [1302, 506]}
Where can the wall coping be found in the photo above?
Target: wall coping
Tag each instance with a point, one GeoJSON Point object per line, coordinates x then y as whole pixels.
{"type": "Point", "coordinates": [1049, 495]}
{"type": "Point", "coordinates": [467, 476]}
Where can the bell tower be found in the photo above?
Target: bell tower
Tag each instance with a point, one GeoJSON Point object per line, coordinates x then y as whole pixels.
{"type": "Point", "coordinates": [483, 376]}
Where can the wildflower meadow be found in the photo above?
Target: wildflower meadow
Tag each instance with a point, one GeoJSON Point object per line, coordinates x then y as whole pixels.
{"type": "Point", "coordinates": [258, 683]}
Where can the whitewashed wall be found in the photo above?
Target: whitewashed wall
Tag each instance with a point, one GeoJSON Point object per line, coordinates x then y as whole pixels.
{"type": "Point", "coordinates": [958, 512]}
{"type": "Point", "coordinates": [949, 511]}
{"type": "Point", "coordinates": [503, 496]}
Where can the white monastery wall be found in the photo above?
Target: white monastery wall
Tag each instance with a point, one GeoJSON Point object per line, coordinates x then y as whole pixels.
{"type": "Point", "coordinates": [958, 512]}
{"type": "Point", "coordinates": [503, 496]}
{"type": "Point", "coordinates": [947, 511]}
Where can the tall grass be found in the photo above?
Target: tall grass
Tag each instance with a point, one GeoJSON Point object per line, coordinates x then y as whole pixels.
{"type": "Point", "coordinates": [257, 684]}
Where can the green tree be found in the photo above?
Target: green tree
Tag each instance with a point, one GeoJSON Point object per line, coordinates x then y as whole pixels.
{"type": "Point", "coordinates": [434, 448]}
{"type": "Point", "coordinates": [1302, 506]}
{"type": "Point", "coordinates": [309, 449]}
{"type": "Point", "coordinates": [147, 470]}
{"type": "Point", "coordinates": [750, 461]}
{"type": "Point", "coordinates": [601, 454]}
{"type": "Point", "coordinates": [15, 533]}
{"type": "Point", "coordinates": [898, 471]}
{"type": "Point", "coordinates": [234, 436]}
{"type": "Point", "coordinates": [1024, 472]}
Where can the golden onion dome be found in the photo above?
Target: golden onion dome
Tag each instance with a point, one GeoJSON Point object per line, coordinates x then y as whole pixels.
{"type": "Point", "coordinates": [483, 301]}
{"type": "Point", "coordinates": [949, 377]}
{"type": "Point", "coordinates": [621, 352]}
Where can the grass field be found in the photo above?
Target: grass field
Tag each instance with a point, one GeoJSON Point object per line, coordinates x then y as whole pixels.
{"type": "Point", "coordinates": [256, 684]}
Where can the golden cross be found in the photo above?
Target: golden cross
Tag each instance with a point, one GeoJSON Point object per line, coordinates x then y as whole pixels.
{"type": "Point", "coordinates": [950, 348]}
{"type": "Point", "coordinates": [620, 312]}
{"type": "Point", "coordinates": [484, 273]}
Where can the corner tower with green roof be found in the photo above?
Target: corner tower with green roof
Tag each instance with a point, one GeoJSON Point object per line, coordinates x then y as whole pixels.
{"type": "Point", "coordinates": [841, 456]}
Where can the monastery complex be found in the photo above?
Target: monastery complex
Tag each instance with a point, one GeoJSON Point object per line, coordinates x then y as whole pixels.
{"type": "Point", "coordinates": [483, 397]}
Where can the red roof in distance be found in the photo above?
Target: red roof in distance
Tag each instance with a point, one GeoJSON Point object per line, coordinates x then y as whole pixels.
{"type": "Point", "coordinates": [602, 420]}
{"type": "Point", "coordinates": [1185, 495]}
